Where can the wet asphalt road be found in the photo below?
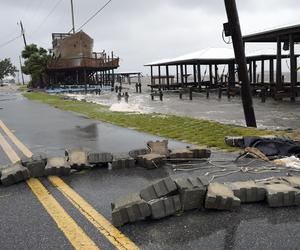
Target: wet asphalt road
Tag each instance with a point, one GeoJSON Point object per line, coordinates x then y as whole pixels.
{"type": "Point", "coordinates": [26, 225]}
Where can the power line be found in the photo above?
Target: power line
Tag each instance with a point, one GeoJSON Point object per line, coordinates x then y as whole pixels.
{"type": "Point", "coordinates": [10, 41]}
{"type": "Point", "coordinates": [46, 18]}
{"type": "Point", "coordinates": [87, 21]}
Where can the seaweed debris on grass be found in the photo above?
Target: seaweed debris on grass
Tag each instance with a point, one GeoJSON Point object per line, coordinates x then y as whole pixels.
{"type": "Point", "coordinates": [188, 129]}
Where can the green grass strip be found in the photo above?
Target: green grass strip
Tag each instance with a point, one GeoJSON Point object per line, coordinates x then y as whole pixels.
{"type": "Point", "coordinates": [195, 131]}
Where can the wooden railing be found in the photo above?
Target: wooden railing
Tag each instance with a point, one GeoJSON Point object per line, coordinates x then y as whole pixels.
{"type": "Point", "coordinates": [59, 63]}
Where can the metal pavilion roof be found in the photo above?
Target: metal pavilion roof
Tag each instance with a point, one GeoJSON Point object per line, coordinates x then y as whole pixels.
{"type": "Point", "coordinates": [215, 55]}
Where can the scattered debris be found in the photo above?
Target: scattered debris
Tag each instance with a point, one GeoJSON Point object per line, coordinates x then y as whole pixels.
{"type": "Point", "coordinates": [271, 146]}
{"type": "Point", "coordinates": [221, 197]}
{"type": "Point", "coordinates": [14, 173]}
{"type": "Point", "coordinates": [165, 206]}
{"type": "Point", "coordinates": [164, 187]}
{"type": "Point", "coordinates": [122, 161]}
{"type": "Point", "coordinates": [150, 161]}
{"type": "Point", "coordinates": [159, 147]}
{"type": "Point", "coordinates": [99, 158]}
{"type": "Point", "coordinates": [192, 192]}
{"type": "Point", "coordinates": [57, 166]}
{"type": "Point", "coordinates": [77, 158]}
{"type": "Point", "coordinates": [138, 152]}
{"type": "Point", "coordinates": [282, 195]}
{"type": "Point", "coordinates": [169, 196]}
{"type": "Point", "coordinates": [290, 162]}
{"type": "Point", "coordinates": [129, 209]}
{"type": "Point", "coordinates": [248, 191]}
{"type": "Point", "coordinates": [35, 164]}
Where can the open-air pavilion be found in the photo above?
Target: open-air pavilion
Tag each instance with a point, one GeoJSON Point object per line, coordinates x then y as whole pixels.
{"type": "Point", "coordinates": [213, 68]}
{"type": "Point", "coordinates": [288, 36]}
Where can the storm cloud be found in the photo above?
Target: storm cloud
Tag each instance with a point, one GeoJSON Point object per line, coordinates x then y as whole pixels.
{"type": "Point", "coordinates": [139, 31]}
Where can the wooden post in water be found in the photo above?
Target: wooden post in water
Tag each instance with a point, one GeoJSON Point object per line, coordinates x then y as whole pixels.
{"type": "Point", "coordinates": [271, 79]}
{"type": "Point", "coordinates": [159, 77]}
{"type": "Point", "coordinates": [168, 77]}
{"type": "Point", "coordinates": [263, 88]}
{"type": "Point", "coordinates": [234, 30]}
{"type": "Point", "coordinates": [151, 77]}
{"type": "Point", "coordinates": [293, 68]}
{"type": "Point", "coordinates": [250, 72]}
{"type": "Point", "coordinates": [182, 75]}
{"type": "Point", "coordinates": [278, 65]}
{"type": "Point", "coordinates": [199, 75]}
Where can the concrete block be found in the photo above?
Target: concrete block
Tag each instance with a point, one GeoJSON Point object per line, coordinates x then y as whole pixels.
{"type": "Point", "coordinates": [248, 191]}
{"type": "Point", "coordinates": [221, 197]}
{"type": "Point", "coordinates": [77, 158]}
{"type": "Point", "coordinates": [181, 153]}
{"type": "Point", "coordinates": [200, 152]}
{"type": "Point", "coordinates": [282, 195]}
{"type": "Point", "coordinates": [122, 161]}
{"type": "Point", "coordinates": [294, 181]}
{"type": "Point", "coordinates": [14, 173]}
{"type": "Point", "coordinates": [99, 158]}
{"type": "Point", "coordinates": [159, 147]}
{"type": "Point", "coordinates": [129, 209]}
{"type": "Point", "coordinates": [234, 141]}
{"type": "Point", "coordinates": [126, 200]}
{"type": "Point", "coordinates": [165, 206]}
{"type": "Point", "coordinates": [57, 166]}
{"type": "Point", "coordinates": [35, 164]}
{"type": "Point", "coordinates": [192, 192]}
{"type": "Point", "coordinates": [164, 187]}
{"type": "Point", "coordinates": [150, 161]}
{"type": "Point", "coordinates": [138, 152]}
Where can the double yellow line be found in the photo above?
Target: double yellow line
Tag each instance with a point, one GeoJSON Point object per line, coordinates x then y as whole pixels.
{"type": "Point", "coordinates": [73, 232]}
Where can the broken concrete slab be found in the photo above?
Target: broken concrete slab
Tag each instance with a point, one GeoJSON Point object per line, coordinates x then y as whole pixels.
{"type": "Point", "coordinates": [221, 197]}
{"type": "Point", "coordinates": [180, 153]}
{"type": "Point", "coordinates": [165, 206]}
{"type": "Point", "coordinates": [77, 159]}
{"type": "Point", "coordinates": [99, 158]}
{"type": "Point", "coordinates": [164, 187]}
{"type": "Point", "coordinates": [150, 161]}
{"type": "Point", "coordinates": [57, 166]}
{"type": "Point", "coordinates": [138, 152]}
{"type": "Point", "coordinates": [282, 195]}
{"type": "Point", "coordinates": [200, 152]}
{"type": "Point", "coordinates": [192, 192]}
{"type": "Point", "coordinates": [248, 191]}
{"type": "Point", "coordinates": [234, 141]}
{"type": "Point", "coordinates": [35, 164]}
{"type": "Point", "coordinates": [129, 209]}
{"type": "Point", "coordinates": [159, 147]}
{"type": "Point", "coordinates": [14, 173]}
{"type": "Point", "coordinates": [122, 161]}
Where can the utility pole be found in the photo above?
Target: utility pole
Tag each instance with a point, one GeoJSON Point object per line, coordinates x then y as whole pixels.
{"type": "Point", "coordinates": [73, 22]}
{"type": "Point", "coordinates": [23, 33]}
{"type": "Point", "coordinates": [21, 70]}
{"type": "Point", "coordinates": [233, 29]}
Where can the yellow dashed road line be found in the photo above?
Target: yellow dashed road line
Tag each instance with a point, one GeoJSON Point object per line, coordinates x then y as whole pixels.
{"type": "Point", "coordinates": [11, 154]}
{"type": "Point", "coordinates": [15, 140]}
{"type": "Point", "coordinates": [77, 237]}
{"type": "Point", "coordinates": [119, 240]}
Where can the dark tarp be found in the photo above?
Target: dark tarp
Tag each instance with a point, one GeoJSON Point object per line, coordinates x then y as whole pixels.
{"type": "Point", "coordinates": [273, 148]}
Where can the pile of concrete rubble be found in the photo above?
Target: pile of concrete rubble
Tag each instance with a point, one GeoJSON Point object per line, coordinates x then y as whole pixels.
{"type": "Point", "coordinates": [40, 165]}
{"type": "Point", "coordinates": [170, 196]}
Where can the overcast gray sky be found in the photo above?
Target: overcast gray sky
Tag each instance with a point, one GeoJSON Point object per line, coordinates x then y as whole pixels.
{"type": "Point", "coordinates": [139, 31]}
